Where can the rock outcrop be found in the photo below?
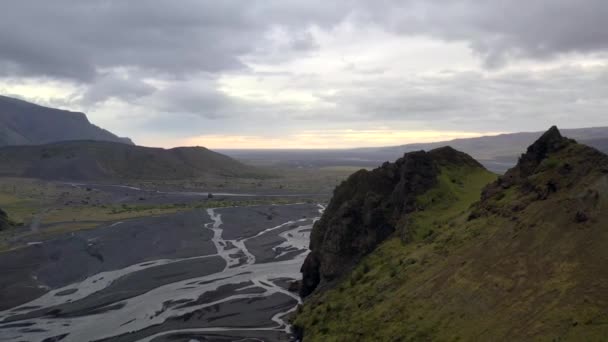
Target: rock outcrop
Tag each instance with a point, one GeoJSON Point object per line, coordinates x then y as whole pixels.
{"type": "Point", "coordinates": [4, 221]}
{"type": "Point", "coordinates": [525, 261]}
{"type": "Point", "coordinates": [367, 208]}
{"type": "Point", "coordinates": [553, 163]}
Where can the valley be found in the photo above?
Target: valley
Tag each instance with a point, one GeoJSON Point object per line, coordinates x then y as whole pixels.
{"type": "Point", "coordinates": [402, 248]}
{"type": "Point", "coordinates": [303, 171]}
{"type": "Point", "coordinates": [157, 274]}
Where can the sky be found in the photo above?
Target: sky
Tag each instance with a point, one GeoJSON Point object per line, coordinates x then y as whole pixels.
{"type": "Point", "coordinates": [310, 73]}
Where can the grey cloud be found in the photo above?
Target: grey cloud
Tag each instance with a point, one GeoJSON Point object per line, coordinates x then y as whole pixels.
{"type": "Point", "coordinates": [188, 99]}
{"type": "Point", "coordinates": [111, 86]}
{"type": "Point", "coordinates": [181, 42]}
{"type": "Point", "coordinates": [74, 39]}
{"type": "Point", "coordinates": [501, 30]}
{"type": "Point", "coordinates": [571, 97]}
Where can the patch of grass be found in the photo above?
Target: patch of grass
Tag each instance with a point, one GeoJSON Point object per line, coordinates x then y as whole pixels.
{"type": "Point", "coordinates": [20, 210]}
{"type": "Point", "coordinates": [448, 202]}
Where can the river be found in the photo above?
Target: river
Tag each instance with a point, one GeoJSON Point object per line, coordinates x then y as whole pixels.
{"type": "Point", "coordinates": [205, 275]}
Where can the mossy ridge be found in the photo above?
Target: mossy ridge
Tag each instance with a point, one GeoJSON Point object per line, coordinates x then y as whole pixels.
{"type": "Point", "coordinates": [353, 308]}
{"type": "Point", "coordinates": [525, 266]}
{"type": "Point", "coordinates": [370, 206]}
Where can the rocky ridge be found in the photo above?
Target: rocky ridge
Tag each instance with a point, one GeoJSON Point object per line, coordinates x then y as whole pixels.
{"type": "Point", "coordinates": [370, 206]}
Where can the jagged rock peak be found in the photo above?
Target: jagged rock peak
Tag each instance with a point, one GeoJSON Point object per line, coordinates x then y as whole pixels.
{"type": "Point", "coordinates": [550, 142]}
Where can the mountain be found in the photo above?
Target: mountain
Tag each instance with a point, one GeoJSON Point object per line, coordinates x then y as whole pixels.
{"type": "Point", "coordinates": [24, 123]}
{"type": "Point", "coordinates": [371, 205]}
{"type": "Point", "coordinates": [522, 258]}
{"type": "Point", "coordinates": [497, 153]}
{"type": "Point", "coordinates": [100, 160]}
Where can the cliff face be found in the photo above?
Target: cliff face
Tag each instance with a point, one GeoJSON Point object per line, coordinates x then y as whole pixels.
{"type": "Point", "coordinates": [518, 258]}
{"type": "Point", "coordinates": [24, 123]}
{"type": "Point", "coordinates": [367, 208]}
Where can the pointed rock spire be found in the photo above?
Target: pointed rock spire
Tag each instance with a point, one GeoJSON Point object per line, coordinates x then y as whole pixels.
{"type": "Point", "coordinates": [551, 141]}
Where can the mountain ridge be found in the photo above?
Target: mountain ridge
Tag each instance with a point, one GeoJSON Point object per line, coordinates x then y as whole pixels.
{"type": "Point", "coordinates": [520, 258]}
{"type": "Point", "coordinates": [26, 123]}
{"type": "Point", "coordinates": [102, 160]}
{"type": "Point", "coordinates": [370, 206]}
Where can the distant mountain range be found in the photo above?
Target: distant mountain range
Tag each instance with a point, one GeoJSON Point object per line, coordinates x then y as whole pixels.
{"type": "Point", "coordinates": [497, 153]}
{"type": "Point", "coordinates": [100, 161]}
{"type": "Point", "coordinates": [25, 123]}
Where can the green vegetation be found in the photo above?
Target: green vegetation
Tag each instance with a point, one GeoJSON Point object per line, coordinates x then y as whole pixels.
{"type": "Point", "coordinates": [19, 209]}
{"type": "Point", "coordinates": [369, 295]}
{"type": "Point", "coordinates": [528, 265]}
{"type": "Point", "coordinates": [56, 208]}
{"type": "Point", "coordinates": [447, 203]}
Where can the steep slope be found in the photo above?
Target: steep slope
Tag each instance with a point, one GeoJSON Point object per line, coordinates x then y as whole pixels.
{"type": "Point", "coordinates": [98, 160]}
{"type": "Point", "coordinates": [24, 123]}
{"type": "Point", "coordinates": [526, 262]}
{"type": "Point", "coordinates": [371, 205]}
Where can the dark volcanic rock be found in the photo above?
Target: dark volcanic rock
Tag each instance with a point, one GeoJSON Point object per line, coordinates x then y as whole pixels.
{"type": "Point", "coordinates": [4, 221]}
{"type": "Point", "coordinates": [367, 208]}
{"type": "Point", "coordinates": [550, 142]}
{"type": "Point", "coordinates": [581, 217]}
{"type": "Point", "coordinates": [551, 165]}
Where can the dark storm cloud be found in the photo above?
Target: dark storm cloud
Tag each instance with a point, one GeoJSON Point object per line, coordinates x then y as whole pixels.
{"type": "Point", "coordinates": [111, 86]}
{"type": "Point", "coordinates": [74, 39]}
{"type": "Point", "coordinates": [200, 100]}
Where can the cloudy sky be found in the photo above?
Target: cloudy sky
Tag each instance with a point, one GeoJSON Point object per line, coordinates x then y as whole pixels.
{"type": "Point", "coordinates": [310, 73]}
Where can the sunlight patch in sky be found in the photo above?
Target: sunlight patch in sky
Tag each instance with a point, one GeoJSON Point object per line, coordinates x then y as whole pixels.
{"type": "Point", "coordinates": [323, 139]}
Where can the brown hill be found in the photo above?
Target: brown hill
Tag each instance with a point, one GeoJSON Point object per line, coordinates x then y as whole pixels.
{"type": "Point", "coordinates": [98, 160]}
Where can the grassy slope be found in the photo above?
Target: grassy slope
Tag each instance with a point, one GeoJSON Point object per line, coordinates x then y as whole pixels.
{"type": "Point", "coordinates": [526, 271]}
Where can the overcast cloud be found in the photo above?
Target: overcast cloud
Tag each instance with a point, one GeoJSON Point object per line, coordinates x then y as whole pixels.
{"type": "Point", "coordinates": [237, 73]}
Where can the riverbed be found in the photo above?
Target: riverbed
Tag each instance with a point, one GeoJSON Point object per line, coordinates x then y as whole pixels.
{"type": "Point", "coordinates": [202, 275]}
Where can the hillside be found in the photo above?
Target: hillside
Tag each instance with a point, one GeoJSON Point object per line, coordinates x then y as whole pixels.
{"type": "Point", "coordinates": [24, 123]}
{"type": "Point", "coordinates": [371, 205]}
{"type": "Point", "coordinates": [98, 160]}
{"type": "Point", "coordinates": [522, 259]}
